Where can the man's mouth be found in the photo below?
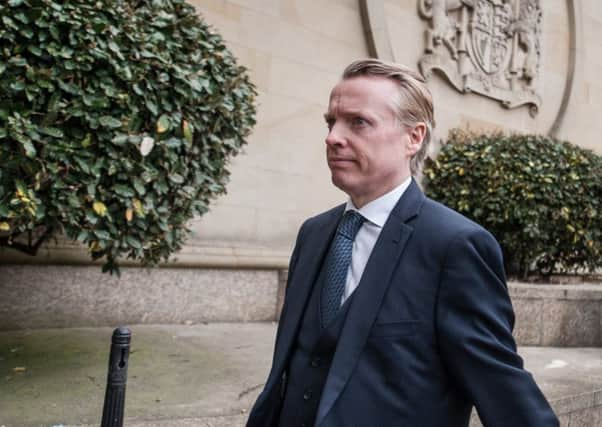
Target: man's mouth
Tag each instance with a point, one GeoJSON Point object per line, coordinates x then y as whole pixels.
{"type": "Point", "coordinates": [339, 160]}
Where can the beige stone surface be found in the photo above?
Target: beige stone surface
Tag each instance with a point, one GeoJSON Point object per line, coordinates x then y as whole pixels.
{"type": "Point", "coordinates": [528, 323]}
{"type": "Point", "coordinates": [205, 376]}
{"type": "Point", "coordinates": [571, 323]}
{"type": "Point", "coordinates": [295, 51]}
{"type": "Point", "coordinates": [39, 296]}
{"type": "Point", "coordinates": [63, 296]}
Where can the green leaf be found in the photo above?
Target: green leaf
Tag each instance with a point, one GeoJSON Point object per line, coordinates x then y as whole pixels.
{"type": "Point", "coordinates": [82, 236]}
{"type": "Point", "coordinates": [133, 242]}
{"type": "Point", "coordinates": [152, 107]}
{"type": "Point", "coordinates": [102, 234]}
{"type": "Point", "coordinates": [87, 141]}
{"type": "Point", "coordinates": [139, 186]}
{"type": "Point", "coordinates": [188, 131]}
{"type": "Point", "coordinates": [123, 190]}
{"type": "Point", "coordinates": [51, 131]}
{"type": "Point", "coordinates": [120, 139]}
{"type": "Point", "coordinates": [30, 150]}
{"type": "Point", "coordinates": [97, 122]}
{"type": "Point", "coordinates": [176, 178]}
{"type": "Point", "coordinates": [162, 124]}
{"type": "Point", "coordinates": [109, 122]}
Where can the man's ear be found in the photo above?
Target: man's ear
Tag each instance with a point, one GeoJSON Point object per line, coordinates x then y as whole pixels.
{"type": "Point", "coordinates": [416, 137]}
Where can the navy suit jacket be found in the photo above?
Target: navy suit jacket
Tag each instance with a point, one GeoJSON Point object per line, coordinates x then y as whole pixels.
{"type": "Point", "coordinates": [428, 333]}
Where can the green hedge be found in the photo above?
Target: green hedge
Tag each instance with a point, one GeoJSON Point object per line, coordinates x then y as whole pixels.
{"type": "Point", "coordinates": [117, 120]}
{"type": "Point", "coordinates": [541, 198]}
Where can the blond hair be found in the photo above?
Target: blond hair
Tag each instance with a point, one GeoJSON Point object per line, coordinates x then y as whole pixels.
{"type": "Point", "coordinates": [415, 104]}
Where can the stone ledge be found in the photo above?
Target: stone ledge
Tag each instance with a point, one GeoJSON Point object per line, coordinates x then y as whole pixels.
{"type": "Point", "coordinates": [590, 292]}
{"type": "Point", "coordinates": [72, 296]}
{"type": "Point", "coordinates": [557, 315]}
{"type": "Point", "coordinates": [46, 296]}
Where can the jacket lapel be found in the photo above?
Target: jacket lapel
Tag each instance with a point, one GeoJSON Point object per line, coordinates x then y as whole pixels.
{"type": "Point", "coordinates": [310, 259]}
{"type": "Point", "coordinates": [369, 295]}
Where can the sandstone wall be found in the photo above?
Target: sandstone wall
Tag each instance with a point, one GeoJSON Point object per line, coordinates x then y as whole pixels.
{"type": "Point", "coordinates": [295, 51]}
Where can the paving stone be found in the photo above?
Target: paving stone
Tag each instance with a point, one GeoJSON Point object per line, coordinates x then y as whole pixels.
{"type": "Point", "coordinates": [208, 376]}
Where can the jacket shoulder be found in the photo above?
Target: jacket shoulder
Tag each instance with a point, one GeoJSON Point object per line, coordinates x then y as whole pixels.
{"type": "Point", "coordinates": [448, 223]}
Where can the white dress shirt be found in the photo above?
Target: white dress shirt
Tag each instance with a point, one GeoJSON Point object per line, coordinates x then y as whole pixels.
{"type": "Point", "coordinates": [376, 213]}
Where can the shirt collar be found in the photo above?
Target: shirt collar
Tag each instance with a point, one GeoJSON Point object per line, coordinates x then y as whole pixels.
{"type": "Point", "coordinates": [378, 210]}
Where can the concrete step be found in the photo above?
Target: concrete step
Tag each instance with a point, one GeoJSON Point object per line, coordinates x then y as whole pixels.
{"type": "Point", "coordinates": [207, 375]}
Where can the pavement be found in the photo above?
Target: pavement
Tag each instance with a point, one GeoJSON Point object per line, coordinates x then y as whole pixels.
{"type": "Point", "coordinates": [205, 375]}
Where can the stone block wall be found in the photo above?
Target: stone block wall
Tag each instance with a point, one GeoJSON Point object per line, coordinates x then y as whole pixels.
{"type": "Point", "coordinates": [73, 296]}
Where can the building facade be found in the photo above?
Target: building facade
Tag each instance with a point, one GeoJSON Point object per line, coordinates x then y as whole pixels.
{"type": "Point", "coordinates": [513, 65]}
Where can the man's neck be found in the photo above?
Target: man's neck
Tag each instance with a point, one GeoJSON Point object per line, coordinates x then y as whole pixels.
{"type": "Point", "coordinates": [361, 201]}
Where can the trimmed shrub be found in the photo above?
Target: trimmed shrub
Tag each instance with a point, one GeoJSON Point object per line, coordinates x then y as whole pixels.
{"type": "Point", "coordinates": [117, 120]}
{"type": "Point", "coordinates": [541, 198]}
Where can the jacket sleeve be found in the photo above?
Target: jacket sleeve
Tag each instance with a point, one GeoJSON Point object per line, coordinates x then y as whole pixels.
{"type": "Point", "coordinates": [474, 326]}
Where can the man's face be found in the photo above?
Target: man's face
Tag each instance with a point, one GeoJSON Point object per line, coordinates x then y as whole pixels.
{"type": "Point", "coordinates": [367, 149]}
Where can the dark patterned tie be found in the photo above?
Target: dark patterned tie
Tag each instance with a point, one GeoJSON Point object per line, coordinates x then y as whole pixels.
{"type": "Point", "coordinates": [336, 265]}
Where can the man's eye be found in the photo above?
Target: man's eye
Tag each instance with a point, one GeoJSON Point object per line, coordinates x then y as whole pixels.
{"type": "Point", "coordinates": [358, 121]}
{"type": "Point", "coordinates": [329, 124]}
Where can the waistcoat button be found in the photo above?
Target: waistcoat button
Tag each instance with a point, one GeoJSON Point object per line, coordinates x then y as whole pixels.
{"type": "Point", "coordinates": [307, 394]}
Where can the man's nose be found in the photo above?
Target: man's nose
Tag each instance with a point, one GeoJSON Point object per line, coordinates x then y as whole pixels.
{"type": "Point", "coordinates": [335, 135]}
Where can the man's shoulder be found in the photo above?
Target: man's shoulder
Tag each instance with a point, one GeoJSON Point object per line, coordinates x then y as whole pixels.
{"type": "Point", "coordinates": [446, 221]}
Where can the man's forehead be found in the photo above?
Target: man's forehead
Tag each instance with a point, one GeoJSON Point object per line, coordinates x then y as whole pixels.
{"type": "Point", "coordinates": [360, 92]}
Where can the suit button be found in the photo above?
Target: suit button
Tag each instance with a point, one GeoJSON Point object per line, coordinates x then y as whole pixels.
{"type": "Point", "coordinates": [307, 394]}
{"type": "Point", "coordinates": [302, 425]}
{"type": "Point", "coordinates": [315, 362]}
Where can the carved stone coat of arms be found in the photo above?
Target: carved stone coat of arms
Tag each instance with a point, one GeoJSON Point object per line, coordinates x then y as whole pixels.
{"type": "Point", "coordinates": [490, 47]}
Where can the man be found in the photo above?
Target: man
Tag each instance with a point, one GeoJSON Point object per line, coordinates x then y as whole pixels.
{"type": "Point", "coordinates": [396, 311]}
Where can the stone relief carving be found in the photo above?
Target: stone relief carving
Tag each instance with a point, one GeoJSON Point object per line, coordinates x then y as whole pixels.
{"type": "Point", "coordinates": [490, 47]}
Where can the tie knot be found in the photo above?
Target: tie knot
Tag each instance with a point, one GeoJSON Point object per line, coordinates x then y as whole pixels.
{"type": "Point", "coordinates": [350, 224]}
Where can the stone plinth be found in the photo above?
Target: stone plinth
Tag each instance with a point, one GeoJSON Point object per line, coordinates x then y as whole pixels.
{"type": "Point", "coordinates": [557, 315]}
{"type": "Point", "coordinates": [71, 296]}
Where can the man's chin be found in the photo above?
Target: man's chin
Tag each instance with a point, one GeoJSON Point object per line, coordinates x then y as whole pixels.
{"type": "Point", "coordinates": [340, 182]}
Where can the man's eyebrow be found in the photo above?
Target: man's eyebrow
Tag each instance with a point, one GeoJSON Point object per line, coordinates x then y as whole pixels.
{"type": "Point", "coordinates": [345, 113]}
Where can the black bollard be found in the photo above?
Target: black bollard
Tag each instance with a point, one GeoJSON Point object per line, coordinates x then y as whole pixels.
{"type": "Point", "coordinates": [114, 406]}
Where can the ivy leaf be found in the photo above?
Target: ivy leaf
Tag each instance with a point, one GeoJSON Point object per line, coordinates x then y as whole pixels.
{"type": "Point", "coordinates": [82, 236]}
{"type": "Point", "coordinates": [123, 190]}
{"type": "Point", "coordinates": [188, 131]}
{"type": "Point", "coordinates": [87, 141]}
{"type": "Point", "coordinates": [102, 234]}
{"type": "Point", "coordinates": [99, 208]}
{"type": "Point", "coordinates": [93, 109]}
{"type": "Point", "coordinates": [30, 150]}
{"type": "Point", "coordinates": [51, 131]}
{"type": "Point", "coordinates": [110, 122]}
{"type": "Point", "coordinates": [162, 124]}
{"type": "Point", "coordinates": [138, 207]}
{"type": "Point", "coordinates": [133, 242]}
